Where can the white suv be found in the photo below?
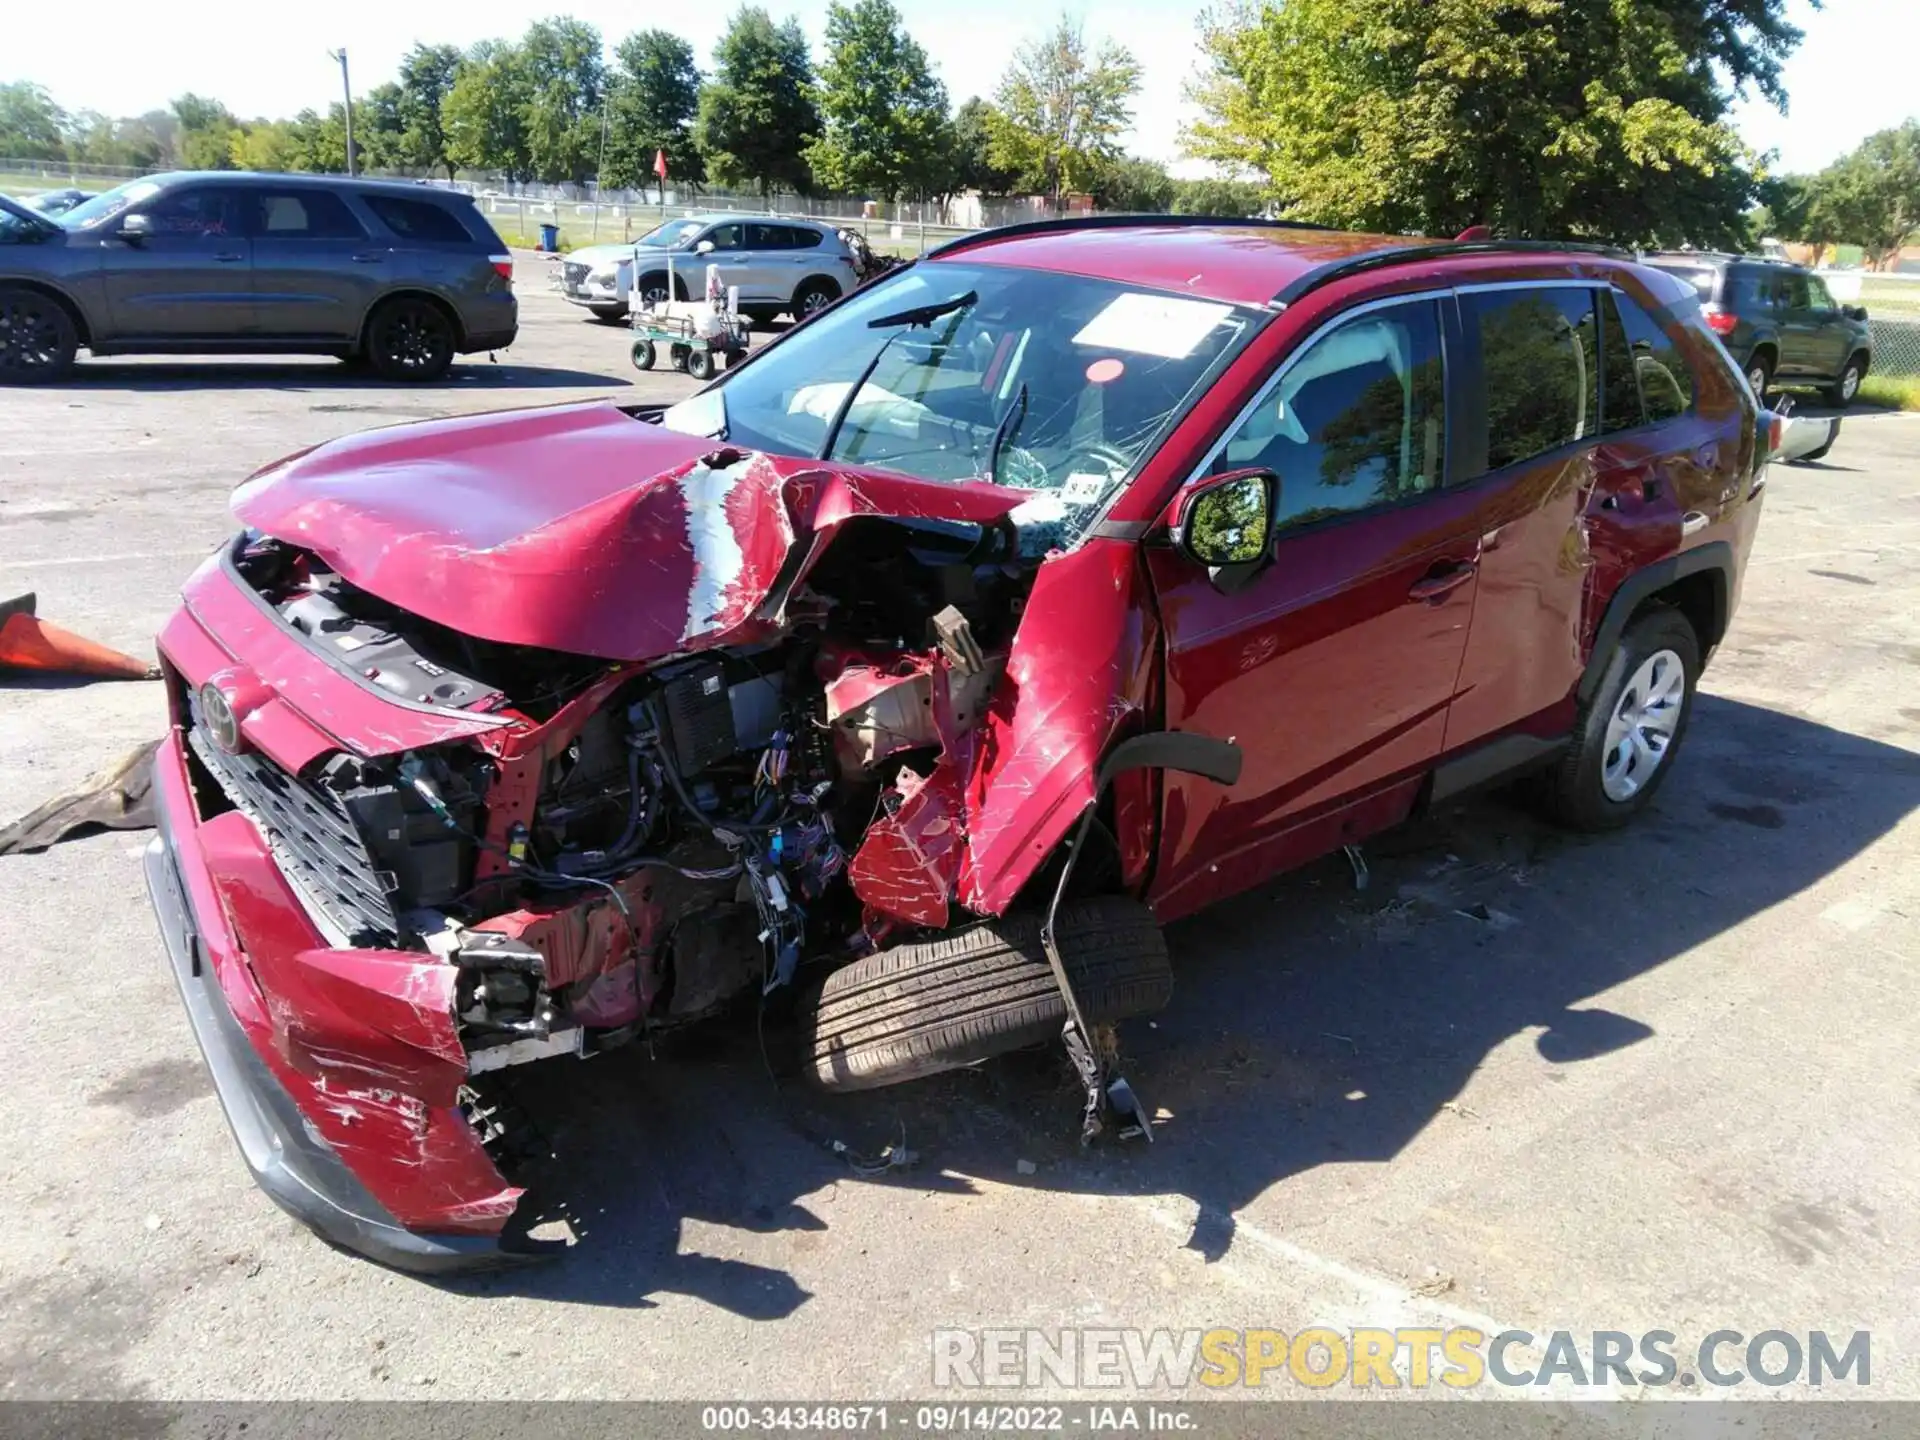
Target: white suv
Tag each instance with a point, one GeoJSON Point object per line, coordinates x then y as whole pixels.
{"type": "Point", "coordinates": [796, 266]}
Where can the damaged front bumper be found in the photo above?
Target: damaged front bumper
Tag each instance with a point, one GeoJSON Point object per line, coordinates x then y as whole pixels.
{"type": "Point", "coordinates": [286, 1144]}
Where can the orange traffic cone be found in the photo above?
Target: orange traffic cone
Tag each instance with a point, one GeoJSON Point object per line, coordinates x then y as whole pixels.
{"type": "Point", "coordinates": [29, 643]}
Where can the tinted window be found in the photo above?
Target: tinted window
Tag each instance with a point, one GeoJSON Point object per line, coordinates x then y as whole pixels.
{"type": "Point", "coordinates": [198, 211]}
{"type": "Point", "coordinates": [417, 219]}
{"type": "Point", "coordinates": [1540, 365]}
{"type": "Point", "coordinates": [1620, 400]}
{"type": "Point", "coordinates": [1701, 277]}
{"type": "Point", "coordinates": [1749, 291]}
{"type": "Point", "coordinates": [1357, 420]}
{"type": "Point", "coordinates": [303, 215]}
{"type": "Point", "coordinates": [1797, 294]}
{"type": "Point", "coordinates": [798, 239]}
{"type": "Point", "coordinates": [1659, 370]}
{"type": "Point", "coordinates": [772, 237]}
{"type": "Point", "coordinates": [1817, 291]}
{"type": "Point", "coordinates": [731, 236]}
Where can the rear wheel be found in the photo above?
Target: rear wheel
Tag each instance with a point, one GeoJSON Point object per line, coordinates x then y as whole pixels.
{"type": "Point", "coordinates": [1760, 373]}
{"type": "Point", "coordinates": [1843, 391]}
{"type": "Point", "coordinates": [700, 364]}
{"type": "Point", "coordinates": [1628, 733]}
{"type": "Point", "coordinates": [37, 337]}
{"type": "Point", "coordinates": [958, 999]}
{"type": "Point", "coordinates": [814, 296]}
{"type": "Point", "coordinates": [410, 339]}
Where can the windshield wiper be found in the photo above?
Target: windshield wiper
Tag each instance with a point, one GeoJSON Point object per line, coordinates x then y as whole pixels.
{"type": "Point", "coordinates": [924, 314]}
{"type": "Point", "coordinates": [1003, 430]}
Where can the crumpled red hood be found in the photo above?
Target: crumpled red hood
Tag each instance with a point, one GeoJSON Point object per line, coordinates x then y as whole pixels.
{"type": "Point", "coordinates": [574, 527]}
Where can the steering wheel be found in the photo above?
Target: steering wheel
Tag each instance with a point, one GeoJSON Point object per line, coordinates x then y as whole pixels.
{"type": "Point", "coordinates": [1117, 461]}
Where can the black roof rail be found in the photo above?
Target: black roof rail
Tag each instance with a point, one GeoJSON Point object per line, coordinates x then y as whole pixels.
{"type": "Point", "coordinates": [1113, 222]}
{"type": "Point", "coordinates": [1404, 254]}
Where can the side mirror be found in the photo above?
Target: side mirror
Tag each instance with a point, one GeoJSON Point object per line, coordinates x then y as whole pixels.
{"type": "Point", "coordinates": [705, 247]}
{"type": "Point", "coordinates": [135, 228]}
{"type": "Point", "coordinates": [1227, 519]}
{"type": "Point", "coordinates": [1854, 312]}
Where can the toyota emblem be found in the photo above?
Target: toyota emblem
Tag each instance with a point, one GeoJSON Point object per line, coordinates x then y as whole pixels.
{"type": "Point", "coordinates": [217, 714]}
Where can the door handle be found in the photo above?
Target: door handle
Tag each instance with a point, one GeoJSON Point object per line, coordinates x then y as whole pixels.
{"type": "Point", "coordinates": [368, 257]}
{"type": "Point", "coordinates": [229, 257]}
{"type": "Point", "coordinates": [1439, 582]}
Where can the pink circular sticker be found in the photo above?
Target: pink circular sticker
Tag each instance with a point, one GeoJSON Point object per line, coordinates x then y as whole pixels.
{"type": "Point", "coordinates": [1101, 371]}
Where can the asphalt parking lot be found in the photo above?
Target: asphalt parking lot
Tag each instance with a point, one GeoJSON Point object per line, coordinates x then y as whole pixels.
{"type": "Point", "coordinates": [1660, 1080]}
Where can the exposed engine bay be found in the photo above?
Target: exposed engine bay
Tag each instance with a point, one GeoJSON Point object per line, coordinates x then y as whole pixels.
{"type": "Point", "coordinates": [636, 846]}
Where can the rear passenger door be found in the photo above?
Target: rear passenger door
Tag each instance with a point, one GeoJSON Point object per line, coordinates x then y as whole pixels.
{"type": "Point", "coordinates": [1799, 327]}
{"type": "Point", "coordinates": [315, 269]}
{"type": "Point", "coordinates": [1533, 457]}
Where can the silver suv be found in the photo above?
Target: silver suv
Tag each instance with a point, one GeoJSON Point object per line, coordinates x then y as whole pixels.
{"type": "Point", "coordinates": [795, 266]}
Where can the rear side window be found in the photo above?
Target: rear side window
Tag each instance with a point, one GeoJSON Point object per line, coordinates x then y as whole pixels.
{"type": "Point", "coordinates": [1749, 291]}
{"type": "Point", "coordinates": [1358, 420]}
{"type": "Point", "coordinates": [303, 215]}
{"type": "Point", "coordinates": [798, 239]}
{"type": "Point", "coordinates": [417, 219]}
{"type": "Point", "coordinates": [1659, 369]}
{"type": "Point", "coordinates": [1540, 365]}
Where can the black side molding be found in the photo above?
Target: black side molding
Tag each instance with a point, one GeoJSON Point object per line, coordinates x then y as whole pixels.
{"type": "Point", "coordinates": [1495, 760]}
{"type": "Point", "coordinates": [1714, 558]}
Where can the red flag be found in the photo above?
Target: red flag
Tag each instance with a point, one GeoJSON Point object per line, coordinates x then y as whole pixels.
{"type": "Point", "coordinates": [660, 163]}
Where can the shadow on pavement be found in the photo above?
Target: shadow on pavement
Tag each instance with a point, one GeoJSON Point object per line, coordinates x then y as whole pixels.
{"type": "Point", "coordinates": [1478, 925]}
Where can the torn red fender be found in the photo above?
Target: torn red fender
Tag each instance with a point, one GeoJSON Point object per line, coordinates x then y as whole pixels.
{"type": "Point", "coordinates": [1006, 792]}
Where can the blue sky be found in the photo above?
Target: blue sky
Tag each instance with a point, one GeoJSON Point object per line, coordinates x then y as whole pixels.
{"type": "Point", "coordinates": [1858, 70]}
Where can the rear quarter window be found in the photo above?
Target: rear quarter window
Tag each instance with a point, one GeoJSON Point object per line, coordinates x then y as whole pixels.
{"type": "Point", "coordinates": [419, 219]}
{"type": "Point", "coordinates": [1660, 369]}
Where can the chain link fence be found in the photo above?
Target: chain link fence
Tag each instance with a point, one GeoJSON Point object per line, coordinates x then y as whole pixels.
{"type": "Point", "coordinates": [1893, 314]}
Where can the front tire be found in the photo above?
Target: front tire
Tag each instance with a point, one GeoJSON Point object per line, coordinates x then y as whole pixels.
{"type": "Point", "coordinates": [1843, 391]}
{"type": "Point", "coordinates": [37, 337]}
{"type": "Point", "coordinates": [608, 314]}
{"type": "Point", "coordinates": [955, 1000]}
{"type": "Point", "coordinates": [410, 339]}
{"type": "Point", "coordinates": [1629, 732]}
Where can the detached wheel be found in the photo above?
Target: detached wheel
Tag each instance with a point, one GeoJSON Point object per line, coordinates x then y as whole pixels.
{"type": "Point", "coordinates": [918, 1009]}
{"type": "Point", "coordinates": [1628, 734]}
{"type": "Point", "coordinates": [643, 355]}
{"type": "Point", "coordinates": [37, 337]}
{"type": "Point", "coordinates": [1843, 391]}
{"type": "Point", "coordinates": [700, 364]}
{"type": "Point", "coordinates": [410, 339]}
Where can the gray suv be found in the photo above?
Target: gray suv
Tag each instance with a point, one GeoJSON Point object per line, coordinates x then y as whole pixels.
{"type": "Point", "coordinates": [400, 277]}
{"type": "Point", "coordinates": [1778, 321]}
{"type": "Point", "coordinates": [792, 266]}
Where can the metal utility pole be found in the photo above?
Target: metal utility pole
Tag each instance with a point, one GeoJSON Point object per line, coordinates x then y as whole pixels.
{"type": "Point", "coordinates": [600, 171]}
{"type": "Point", "coordinates": [346, 86]}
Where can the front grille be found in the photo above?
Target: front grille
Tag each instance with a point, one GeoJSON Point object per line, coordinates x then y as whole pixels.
{"type": "Point", "coordinates": [576, 274]}
{"type": "Point", "coordinates": [313, 839]}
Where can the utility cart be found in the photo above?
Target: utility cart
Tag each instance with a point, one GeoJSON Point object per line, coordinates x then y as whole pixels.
{"type": "Point", "coordinates": [694, 338]}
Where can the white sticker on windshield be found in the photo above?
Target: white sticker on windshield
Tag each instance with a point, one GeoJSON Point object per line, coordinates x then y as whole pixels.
{"type": "Point", "coordinates": [1084, 489]}
{"type": "Point", "coordinates": [1163, 325]}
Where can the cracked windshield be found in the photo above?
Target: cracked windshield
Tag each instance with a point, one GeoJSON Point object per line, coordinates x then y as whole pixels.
{"type": "Point", "coordinates": [1037, 381]}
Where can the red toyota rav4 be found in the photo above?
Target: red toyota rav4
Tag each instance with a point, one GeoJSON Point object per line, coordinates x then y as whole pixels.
{"type": "Point", "coordinates": [1056, 586]}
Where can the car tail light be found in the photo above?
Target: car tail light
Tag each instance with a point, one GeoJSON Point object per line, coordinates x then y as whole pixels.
{"type": "Point", "coordinates": [502, 266]}
{"type": "Point", "coordinates": [1720, 322]}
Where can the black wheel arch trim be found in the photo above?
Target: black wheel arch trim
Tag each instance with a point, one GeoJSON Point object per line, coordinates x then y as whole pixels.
{"type": "Point", "coordinates": [1714, 558]}
{"type": "Point", "coordinates": [82, 326]}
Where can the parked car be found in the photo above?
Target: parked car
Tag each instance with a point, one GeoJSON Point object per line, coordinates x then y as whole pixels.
{"type": "Point", "coordinates": [914, 673]}
{"type": "Point", "coordinates": [401, 277]}
{"type": "Point", "coordinates": [792, 266]}
{"type": "Point", "coordinates": [56, 202]}
{"type": "Point", "coordinates": [1779, 322]}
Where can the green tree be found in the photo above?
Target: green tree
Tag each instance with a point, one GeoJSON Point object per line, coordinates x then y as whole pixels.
{"type": "Point", "coordinates": [30, 123]}
{"type": "Point", "coordinates": [1871, 197]}
{"type": "Point", "coordinates": [1537, 117]}
{"type": "Point", "coordinates": [1133, 184]}
{"type": "Point", "coordinates": [207, 129]}
{"type": "Point", "coordinates": [379, 131]}
{"type": "Point", "coordinates": [973, 151]}
{"type": "Point", "coordinates": [264, 145]}
{"type": "Point", "coordinates": [883, 114]}
{"type": "Point", "coordinates": [316, 142]}
{"type": "Point", "coordinates": [484, 114]}
{"type": "Point", "coordinates": [653, 96]}
{"type": "Point", "coordinates": [565, 81]}
{"type": "Point", "coordinates": [1061, 111]}
{"type": "Point", "coordinates": [426, 75]}
{"type": "Point", "coordinates": [1218, 197]}
{"type": "Point", "coordinates": [757, 117]}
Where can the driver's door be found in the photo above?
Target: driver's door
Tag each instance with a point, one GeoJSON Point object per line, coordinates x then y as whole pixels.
{"type": "Point", "coordinates": [190, 277]}
{"type": "Point", "coordinates": [1333, 666]}
{"type": "Point", "coordinates": [736, 262]}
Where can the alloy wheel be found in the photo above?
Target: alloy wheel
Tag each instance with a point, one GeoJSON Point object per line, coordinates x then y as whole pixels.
{"type": "Point", "coordinates": [1850, 383]}
{"type": "Point", "coordinates": [1643, 725]}
{"type": "Point", "coordinates": [30, 338]}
